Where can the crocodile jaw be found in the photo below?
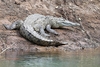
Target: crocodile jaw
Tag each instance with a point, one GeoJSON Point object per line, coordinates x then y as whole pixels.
{"type": "Point", "coordinates": [67, 23]}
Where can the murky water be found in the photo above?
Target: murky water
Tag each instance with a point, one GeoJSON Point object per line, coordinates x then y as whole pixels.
{"type": "Point", "coordinates": [78, 59]}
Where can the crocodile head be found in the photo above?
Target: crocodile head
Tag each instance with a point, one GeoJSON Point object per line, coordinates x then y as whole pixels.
{"type": "Point", "coordinates": [63, 23]}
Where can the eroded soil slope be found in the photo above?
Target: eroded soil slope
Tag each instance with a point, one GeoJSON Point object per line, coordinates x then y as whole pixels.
{"type": "Point", "coordinates": [85, 12]}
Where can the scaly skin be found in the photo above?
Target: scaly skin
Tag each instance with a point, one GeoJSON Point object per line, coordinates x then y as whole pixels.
{"type": "Point", "coordinates": [33, 28]}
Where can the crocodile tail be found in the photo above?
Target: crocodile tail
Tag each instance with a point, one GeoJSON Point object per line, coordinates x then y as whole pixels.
{"type": "Point", "coordinates": [60, 43]}
{"type": "Point", "coordinates": [28, 32]}
{"type": "Point", "coordinates": [64, 43]}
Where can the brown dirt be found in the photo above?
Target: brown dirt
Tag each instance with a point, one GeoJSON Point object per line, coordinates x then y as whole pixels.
{"type": "Point", "coordinates": [86, 36]}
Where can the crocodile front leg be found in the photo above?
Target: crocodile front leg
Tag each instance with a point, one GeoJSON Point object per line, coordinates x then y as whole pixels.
{"type": "Point", "coordinates": [42, 32]}
{"type": "Point", "coordinates": [48, 28]}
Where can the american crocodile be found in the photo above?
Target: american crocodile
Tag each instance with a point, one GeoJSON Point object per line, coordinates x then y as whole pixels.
{"type": "Point", "coordinates": [34, 25]}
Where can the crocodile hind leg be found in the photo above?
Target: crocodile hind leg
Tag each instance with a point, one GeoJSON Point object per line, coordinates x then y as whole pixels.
{"type": "Point", "coordinates": [14, 25]}
{"type": "Point", "coordinates": [42, 32]}
{"type": "Point", "coordinates": [7, 26]}
{"type": "Point", "coordinates": [48, 28]}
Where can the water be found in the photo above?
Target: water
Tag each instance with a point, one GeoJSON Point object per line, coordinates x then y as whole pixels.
{"type": "Point", "coordinates": [74, 59]}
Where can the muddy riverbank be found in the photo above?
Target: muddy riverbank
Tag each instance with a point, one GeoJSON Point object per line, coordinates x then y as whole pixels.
{"type": "Point", "coordinates": [86, 12]}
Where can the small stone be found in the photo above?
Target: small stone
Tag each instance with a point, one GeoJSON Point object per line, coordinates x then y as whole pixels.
{"type": "Point", "coordinates": [17, 2]}
{"type": "Point", "coordinates": [56, 6]}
